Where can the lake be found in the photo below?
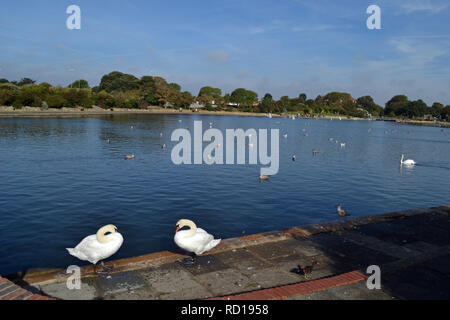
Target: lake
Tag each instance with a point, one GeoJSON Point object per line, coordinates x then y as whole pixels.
{"type": "Point", "coordinates": [60, 180]}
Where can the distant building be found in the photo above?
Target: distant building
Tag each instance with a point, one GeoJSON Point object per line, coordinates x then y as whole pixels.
{"type": "Point", "coordinates": [196, 105]}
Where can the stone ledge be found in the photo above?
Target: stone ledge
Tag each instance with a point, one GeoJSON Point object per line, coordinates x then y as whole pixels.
{"type": "Point", "coordinates": [159, 258]}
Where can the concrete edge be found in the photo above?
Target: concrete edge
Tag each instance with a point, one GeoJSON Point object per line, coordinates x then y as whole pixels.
{"type": "Point", "coordinates": [164, 257]}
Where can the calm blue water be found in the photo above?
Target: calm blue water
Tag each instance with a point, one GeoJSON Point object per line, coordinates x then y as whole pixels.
{"type": "Point", "coordinates": [60, 181]}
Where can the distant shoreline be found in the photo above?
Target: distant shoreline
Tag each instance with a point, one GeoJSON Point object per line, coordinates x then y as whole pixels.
{"type": "Point", "coordinates": [29, 112]}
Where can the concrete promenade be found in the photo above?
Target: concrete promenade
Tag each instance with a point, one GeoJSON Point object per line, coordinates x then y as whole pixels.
{"type": "Point", "coordinates": [412, 249]}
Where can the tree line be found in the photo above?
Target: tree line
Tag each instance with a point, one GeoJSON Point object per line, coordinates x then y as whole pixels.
{"type": "Point", "coordinates": [122, 90]}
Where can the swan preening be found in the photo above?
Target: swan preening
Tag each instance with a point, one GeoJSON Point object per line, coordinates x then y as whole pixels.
{"type": "Point", "coordinates": [195, 240]}
{"type": "Point", "coordinates": [98, 247]}
{"type": "Point", "coordinates": [407, 162]}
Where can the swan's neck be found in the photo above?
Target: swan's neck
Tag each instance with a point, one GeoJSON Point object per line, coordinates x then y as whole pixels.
{"type": "Point", "coordinates": [101, 235]}
{"type": "Point", "coordinates": [401, 160]}
{"type": "Point", "coordinates": [193, 228]}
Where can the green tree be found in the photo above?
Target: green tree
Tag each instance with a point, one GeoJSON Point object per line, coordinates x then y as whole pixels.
{"type": "Point", "coordinates": [396, 106]}
{"type": "Point", "coordinates": [25, 81]}
{"type": "Point", "coordinates": [415, 109]}
{"type": "Point", "coordinates": [436, 109]}
{"type": "Point", "coordinates": [175, 86]}
{"type": "Point", "coordinates": [367, 103]}
{"type": "Point", "coordinates": [244, 97]}
{"type": "Point", "coordinates": [266, 104]}
{"type": "Point", "coordinates": [80, 84]}
{"type": "Point", "coordinates": [210, 91]}
{"type": "Point", "coordinates": [302, 97]}
{"type": "Point", "coordinates": [117, 81]}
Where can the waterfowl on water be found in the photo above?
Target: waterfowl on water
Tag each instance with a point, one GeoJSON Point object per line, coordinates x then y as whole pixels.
{"type": "Point", "coordinates": [98, 247]}
{"type": "Point", "coordinates": [263, 178]}
{"type": "Point", "coordinates": [408, 162]}
{"type": "Point", "coordinates": [195, 240]}
{"type": "Point", "coordinates": [315, 152]}
{"type": "Point", "coordinates": [294, 158]}
{"type": "Point", "coordinates": [285, 136]}
{"type": "Point", "coordinates": [342, 145]}
{"type": "Point", "coordinates": [129, 157]}
{"type": "Point", "coordinates": [341, 212]}
{"type": "Point", "coordinates": [163, 146]}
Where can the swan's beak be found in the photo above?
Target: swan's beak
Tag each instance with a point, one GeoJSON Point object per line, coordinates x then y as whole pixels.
{"type": "Point", "coordinates": [178, 228]}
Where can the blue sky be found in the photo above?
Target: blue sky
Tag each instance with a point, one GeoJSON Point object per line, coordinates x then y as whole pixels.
{"type": "Point", "coordinates": [283, 47]}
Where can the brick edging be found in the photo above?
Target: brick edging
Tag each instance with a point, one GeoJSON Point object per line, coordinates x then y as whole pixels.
{"type": "Point", "coordinates": [11, 291]}
{"type": "Point", "coordinates": [297, 289]}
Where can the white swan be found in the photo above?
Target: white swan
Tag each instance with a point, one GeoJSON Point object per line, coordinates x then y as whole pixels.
{"type": "Point", "coordinates": [407, 162]}
{"type": "Point", "coordinates": [97, 247]}
{"type": "Point", "coordinates": [195, 240]}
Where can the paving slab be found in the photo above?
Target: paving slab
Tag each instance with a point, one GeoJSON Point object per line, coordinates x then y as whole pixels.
{"type": "Point", "coordinates": [87, 291]}
{"type": "Point", "coordinates": [225, 282]}
{"type": "Point", "coordinates": [205, 264]}
{"type": "Point", "coordinates": [242, 260]}
{"type": "Point", "coordinates": [172, 281]}
{"type": "Point", "coordinates": [119, 283]}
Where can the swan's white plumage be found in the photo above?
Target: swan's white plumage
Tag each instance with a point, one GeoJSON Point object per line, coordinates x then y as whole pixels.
{"type": "Point", "coordinates": [92, 250]}
{"type": "Point", "coordinates": [408, 162]}
{"type": "Point", "coordinates": [199, 243]}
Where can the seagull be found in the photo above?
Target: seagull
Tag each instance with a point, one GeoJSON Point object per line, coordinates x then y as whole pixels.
{"type": "Point", "coordinates": [341, 212]}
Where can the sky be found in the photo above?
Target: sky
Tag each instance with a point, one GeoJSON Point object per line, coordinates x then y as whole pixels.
{"type": "Point", "coordinates": [283, 47]}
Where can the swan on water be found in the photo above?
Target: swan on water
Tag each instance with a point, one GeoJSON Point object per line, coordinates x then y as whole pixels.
{"type": "Point", "coordinates": [407, 162]}
{"type": "Point", "coordinates": [129, 157]}
{"type": "Point", "coordinates": [195, 240]}
{"type": "Point", "coordinates": [98, 247]}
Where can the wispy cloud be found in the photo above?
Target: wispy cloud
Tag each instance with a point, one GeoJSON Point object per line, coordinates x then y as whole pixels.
{"type": "Point", "coordinates": [309, 28]}
{"type": "Point", "coordinates": [412, 6]}
{"type": "Point", "coordinates": [218, 56]}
